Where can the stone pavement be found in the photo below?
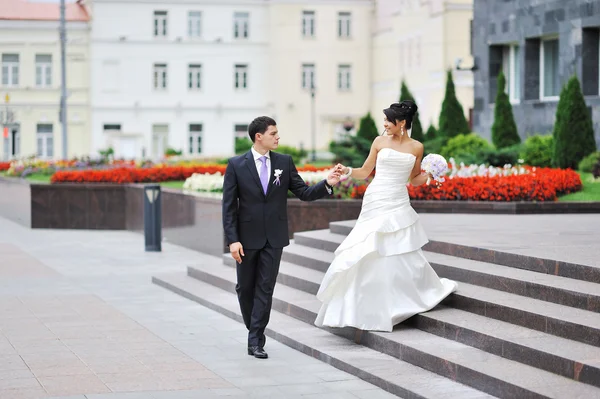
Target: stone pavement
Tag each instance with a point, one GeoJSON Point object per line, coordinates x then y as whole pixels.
{"type": "Point", "coordinates": [570, 238]}
{"type": "Point", "coordinates": [79, 318]}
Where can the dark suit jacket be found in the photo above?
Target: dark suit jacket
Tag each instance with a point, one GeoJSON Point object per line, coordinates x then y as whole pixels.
{"type": "Point", "coordinates": [250, 216]}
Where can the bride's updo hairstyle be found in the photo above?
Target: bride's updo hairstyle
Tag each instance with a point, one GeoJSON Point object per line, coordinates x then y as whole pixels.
{"type": "Point", "coordinates": [403, 111]}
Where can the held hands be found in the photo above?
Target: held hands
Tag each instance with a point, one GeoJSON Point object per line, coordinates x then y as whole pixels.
{"type": "Point", "coordinates": [334, 176]}
{"type": "Point", "coordinates": [237, 251]}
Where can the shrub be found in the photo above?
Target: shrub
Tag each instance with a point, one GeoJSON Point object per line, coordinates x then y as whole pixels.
{"type": "Point", "coordinates": [172, 152]}
{"type": "Point", "coordinates": [296, 154]}
{"type": "Point", "coordinates": [431, 134]}
{"type": "Point", "coordinates": [504, 128]}
{"type": "Point", "coordinates": [573, 130]}
{"type": "Point", "coordinates": [242, 145]}
{"type": "Point", "coordinates": [587, 164]}
{"type": "Point", "coordinates": [434, 146]}
{"type": "Point", "coordinates": [464, 144]}
{"type": "Point", "coordinates": [353, 150]}
{"type": "Point", "coordinates": [596, 170]}
{"type": "Point", "coordinates": [537, 150]}
{"type": "Point", "coordinates": [416, 131]}
{"type": "Point", "coordinates": [452, 117]}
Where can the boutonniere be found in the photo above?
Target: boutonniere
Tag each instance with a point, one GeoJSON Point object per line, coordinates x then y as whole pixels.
{"type": "Point", "coordinates": [277, 174]}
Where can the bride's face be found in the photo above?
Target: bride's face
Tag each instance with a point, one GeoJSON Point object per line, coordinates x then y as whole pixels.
{"type": "Point", "coordinates": [390, 128]}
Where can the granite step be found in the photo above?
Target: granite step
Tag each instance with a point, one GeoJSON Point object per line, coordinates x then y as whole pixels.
{"type": "Point", "coordinates": [535, 348]}
{"type": "Point", "coordinates": [560, 290]}
{"type": "Point", "coordinates": [547, 266]}
{"type": "Point", "coordinates": [319, 239]}
{"type": "Point", "coordinates": [484, 371]}
{"type": "Point", "coordinates": [387, 372]}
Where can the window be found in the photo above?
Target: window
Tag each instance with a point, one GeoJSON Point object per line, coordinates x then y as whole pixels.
{"type": "Point", "coordinates": [550, 85]}
{"type": "Point", "coordinates": [10, 70]}
{"type": "Point", "coordinates": [45, 141]}
{"type": "Point", "coordinates": [344, 77]}
{"type": "Point", "coordinates": [344, 24]}
{"type": "Point", "coordinates": [308, 76]}
{"type": "Point", "coordinates": [241, 21]}
{"type": "Point", "coordinates": [43, 70]}
{"type": "Point", "coordinates": [241, 131]}
{"type": "Point", "coordinates": [194, 23]}
{"type": "Point", "coordinates": [511, 66]}
{"type": "Point", "coordinates": [241, 76]}
{"type": "Point", "coordinates": [111, 128]}
{"type": "Point", "coordinates": [195, 137]}
{"type": "Point", "coordinates": [160, 76]}
{"type": "Point", "coordinates": [160, 23]}
{"type": "Point", "coordinates": [308, 23]}
{"type": "Point", "coordinates": [194, 76]}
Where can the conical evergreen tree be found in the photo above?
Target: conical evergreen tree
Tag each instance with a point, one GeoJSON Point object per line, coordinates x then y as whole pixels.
{"type": "Point", "coordinates": [432, 133]}
{"type": "Point", "coordinates": [367, 128]}
{"type": "Point", "coordinates": [416, 131]}
{"type": "Point", "coordinates": [452, 117]}
{"type": "Point", "coordinates": [573, 128]}
{"type": "Point", "coordinates": [504, 129]}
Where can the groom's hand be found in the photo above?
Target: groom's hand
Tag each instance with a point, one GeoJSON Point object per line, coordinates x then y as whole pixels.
{"type": "Point", "coordinates": [334, 177]}
{"type": "Point", "coordinates": [237, 251]}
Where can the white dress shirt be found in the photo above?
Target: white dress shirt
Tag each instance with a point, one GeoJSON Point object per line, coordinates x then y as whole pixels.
{"type": "Point", "coordinates": [258, 162]}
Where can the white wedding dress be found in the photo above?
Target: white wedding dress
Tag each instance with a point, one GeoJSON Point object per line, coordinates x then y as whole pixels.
{"type": "Point", "coordinates": [379, 276]}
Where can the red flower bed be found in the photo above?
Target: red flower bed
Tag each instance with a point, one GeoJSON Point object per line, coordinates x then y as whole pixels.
{"type": "Point", "coordinates": [141, 175]}
{"type": "Point", "coordinates": [545, 184]}
{"type": "Point", "coordinates": [4, 166]}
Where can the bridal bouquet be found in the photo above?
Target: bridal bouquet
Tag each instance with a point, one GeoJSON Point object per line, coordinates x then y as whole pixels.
{"type": "Point", "coordinates": [436, 165]}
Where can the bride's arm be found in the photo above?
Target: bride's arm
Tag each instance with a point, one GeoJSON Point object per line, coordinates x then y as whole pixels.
{"type": "Point", "coordinates": [368, 166]}
{"type": "Point", "coordinates": [417, 177]}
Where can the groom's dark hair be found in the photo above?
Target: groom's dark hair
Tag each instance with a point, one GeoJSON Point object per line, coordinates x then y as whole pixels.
{"type": "Point", "coordinates": [260, 125]}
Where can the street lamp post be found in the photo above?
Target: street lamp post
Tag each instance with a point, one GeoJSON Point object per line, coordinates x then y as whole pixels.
{"type": "Point", "coordinates": [313, 122]}
{"type": "Point", "coordinates": [63, 92]}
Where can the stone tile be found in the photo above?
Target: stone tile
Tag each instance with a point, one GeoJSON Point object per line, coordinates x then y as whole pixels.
{"type": "Point", "coordinates": [373, 394]}
{"type": "Point", "coordinates": [19, 383]}
{"type": "Point", "coordinates": [131, 382]}
{"type": "Point", "coordinates": [73, 385]}
{"type": "Point", "coordinates": [27, 393]}
{"type": "Point", "coordinates": [125, 395]}
{"type": "Point", "coordinates": [15, 374]}
{"type": "Point", "coordinates": [12, 362]}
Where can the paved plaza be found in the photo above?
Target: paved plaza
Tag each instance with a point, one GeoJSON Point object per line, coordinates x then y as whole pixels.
{"type": "Point", "coordinates": [79, 318]}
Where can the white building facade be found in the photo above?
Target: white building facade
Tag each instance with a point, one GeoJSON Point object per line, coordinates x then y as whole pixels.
{"type": "Point", "coordinates": [30, 81]}
{"type": "Point", "coordinates": [185, 75]}
{"type": "Point", "coordinates": [325, 44]}
{"type": "Point", "coordinates": [191, 75]}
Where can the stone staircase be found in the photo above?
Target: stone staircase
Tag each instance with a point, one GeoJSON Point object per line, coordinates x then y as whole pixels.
{"type": "Point", "coordinates": [508, 332]}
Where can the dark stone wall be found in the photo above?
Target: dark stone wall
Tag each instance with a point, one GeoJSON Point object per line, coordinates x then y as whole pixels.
{"type": "Point", "coordinates": [496, 23]}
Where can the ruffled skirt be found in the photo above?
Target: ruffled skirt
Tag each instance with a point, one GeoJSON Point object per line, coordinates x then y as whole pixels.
{"type": "Point", "coordinates": [380, 276]}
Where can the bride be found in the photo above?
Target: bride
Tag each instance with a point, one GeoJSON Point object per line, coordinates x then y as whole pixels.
{"type": "Point", "coordinates": [379, 276]}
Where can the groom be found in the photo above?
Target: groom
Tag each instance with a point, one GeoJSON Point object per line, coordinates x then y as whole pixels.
{"type": "Point", "coordinates": [255, 221]}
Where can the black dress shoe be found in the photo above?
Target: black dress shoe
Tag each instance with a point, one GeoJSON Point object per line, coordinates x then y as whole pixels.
{"type": "Point", "coordinates": [257, 352]}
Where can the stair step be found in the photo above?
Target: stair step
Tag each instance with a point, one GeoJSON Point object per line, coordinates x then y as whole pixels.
{"type": "Point", "coordinates": [561, 290]}
{"type": "Point", "coordinates": [387, 372]}
{"type": "Point", "coordinates": [343, 227]}
{"type": "Point", "coordinates": [575, 271]}
{"type": "Point", "coordinates": [535, 348]}
{"type": "Point", "coordinates": [563, 321]}
{"type": "Point", "coordinates": [319, 239]}
{"type": "Point", "coordinates": [316, 259]}
{"type": "Point", "coordinates": [484, 371]}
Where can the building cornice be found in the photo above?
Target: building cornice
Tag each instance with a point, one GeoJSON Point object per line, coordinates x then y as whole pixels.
{"type": "Point", "coordinates": [41, 25]}
{"type": "Point", "coordinates": [240, 2]}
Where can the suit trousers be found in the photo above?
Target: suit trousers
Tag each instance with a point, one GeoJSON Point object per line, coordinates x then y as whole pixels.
{"type": "Point", "coordinates": [256, 277]}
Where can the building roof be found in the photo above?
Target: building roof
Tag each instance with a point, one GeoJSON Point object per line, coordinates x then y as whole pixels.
{"type": "Point", "coordinates": [24, 10]}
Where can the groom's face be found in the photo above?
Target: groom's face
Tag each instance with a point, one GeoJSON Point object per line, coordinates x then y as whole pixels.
{"type": "Point", "coordinates": [270, 138]}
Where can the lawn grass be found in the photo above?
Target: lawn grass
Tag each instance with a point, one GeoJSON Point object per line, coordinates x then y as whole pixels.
{"type": "Point", "coordinates": [590, 192]}
{"type": "Point", "coordinates": [39, 178]}
{"type": "Point", "coordinates": [173, 184]}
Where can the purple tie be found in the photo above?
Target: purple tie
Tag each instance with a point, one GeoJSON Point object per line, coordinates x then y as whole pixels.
{"type": "Point", "coordinates": [264, 173]}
